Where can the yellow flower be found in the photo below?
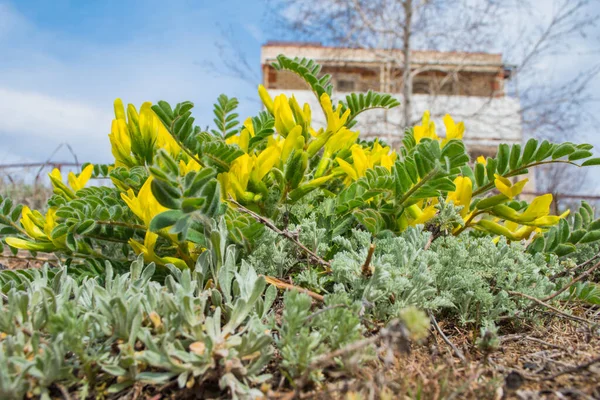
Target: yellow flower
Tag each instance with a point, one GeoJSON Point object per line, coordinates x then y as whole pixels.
{"type": "Point", "coordinates": [482, 160]}
{"type": "Point", "coordinates": [249, 168]}
{"type": "Point", "coordinates": [421, 215]}
{"type": "Point", "coordinates": [301, 115]}
{"type": "Point", "coordinates": [347, 168]}
{"type": "Point", "coordinates": [341, 140]}
{"type": "Point", "coordinates": [506, 187]}
{"type": "Point", "coordinates": [119, 110]}
{"type": "Point", "coordinates": [360, 163]}
{"type": "Point", "coordinates": [243, 138]}
{"type": "Point", "coordinates": [453, 130]}
{"type": "Point", "coordinates": [186, 168]}
{"type": "Point", "coordinates": [294, 140]}
{"type": "Point", "coordinates": [141, 134]}
{"type": "Point", "coordinates": [284, 119]}
{"type": "Point", "coordinates": [539, 207]}
{"type": "Point", "coordinates": [39, 228]}
{"type": "Point", "coordinates": [381, 156]}
{"type": "Point", "coordinates": [78, 182]}
{"type": "Point", "coordinates": [147, 249]}
{"type": "Point", "coordinates": [33, 223]}
{"type": "Point", "coordinates": [240, 170]}
{"type": "Point", "coordinates": [154, 133]}
{"type": "Point", "coordinates": [537, 213]}
{"type": "Point", "coordinates": [360, 160]}
{"type": "Point", "coordinates": [266, 98]}
{"type": "Point", "coordinates": [509, 229]}
{"type": "Point", "coordinates": [462, 195]}
{"type": "Point", "coordinates": [144, 205]}
{"type": "Point", "coordinates": [335, 118]}
{"type": "Point", "coordinates": [120, 143]}
{"type": "Point", "coordinates": [23, 244]}
{"type": "Point", "coordinates": [520, 232]}
{"type": "Point", "coordinates": [366, 158]}
{"type": "Point", "coordinates": [426, 129]}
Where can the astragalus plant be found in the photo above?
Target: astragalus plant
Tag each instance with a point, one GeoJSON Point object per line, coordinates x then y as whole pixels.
{"type": "Point", "coordinates": [172, 273]}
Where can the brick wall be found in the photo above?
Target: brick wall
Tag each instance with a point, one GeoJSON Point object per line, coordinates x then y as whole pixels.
{"type": "Point", "coordinates": [463, 83]}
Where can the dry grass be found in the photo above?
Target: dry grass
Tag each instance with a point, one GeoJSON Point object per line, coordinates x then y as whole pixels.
{"type": "Point", "coordinates": [34, 194]}
{"type": "Point", "coordinates": [547, 361]}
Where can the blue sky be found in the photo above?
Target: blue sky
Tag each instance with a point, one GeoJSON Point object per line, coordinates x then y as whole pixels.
{"type": "Point", "coordinates": [63, 63]}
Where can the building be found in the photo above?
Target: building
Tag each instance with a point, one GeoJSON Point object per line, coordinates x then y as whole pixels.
{"type": "Point", "coordinates": [469, 86]}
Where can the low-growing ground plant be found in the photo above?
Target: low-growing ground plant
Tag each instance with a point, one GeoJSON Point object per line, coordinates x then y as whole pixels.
{"type": "Point", "coordinates": [226, 259]}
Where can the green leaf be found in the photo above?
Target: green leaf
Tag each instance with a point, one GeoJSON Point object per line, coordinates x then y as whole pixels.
{"type": "Point", "coordinates": [502, 158]}
{"type": "Point", "coordinates": [515, 154]}
{"type": "Point", "coordinates": [564, 249]}
{"type": "Point", "coordinates": [166, 194]}
{"type": "Point", "coordinates": [563, 150]}
{"type": "Point", "coordinates": [544, 150]}
{"type": "Point", "coordinates": [86, 227]}
{"type": "Point", "coordinates": [591, 161]}
{"type": "Point", "coordinates": [165, 220]}
{"type": "Point", "coordinates": [580, 154]}
{"type": "Point", "coordinates": [529, 151]}
{"type": "Point", "coordinates": [590, 237]}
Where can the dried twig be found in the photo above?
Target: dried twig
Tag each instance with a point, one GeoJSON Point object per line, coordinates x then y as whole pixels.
{"type": "Point", "coordinates": [548, 306]}
{"type": "Point", "coordinates": [566, 271]}
{"type": "Point", "coordinates": [458, 353]}
{"type": "Point", "coordinates": [572, 282]}
{"type": "Point", "coordinates": [63, 390]}
{"type": "Point", "coordinates": [573, 369]}
{"type": "Point", "coordinates": [394, 333]}
{"type": "Point", "coordinates": [283, 285]}
{"type": "Point", "coordinates": [509, 338]}
{"type": "Point", "coordinates": [429, 241]}
{"type": "Point", "coordinates": [285, 233]}
{"type": "Point", "coordinates": [366, 270]}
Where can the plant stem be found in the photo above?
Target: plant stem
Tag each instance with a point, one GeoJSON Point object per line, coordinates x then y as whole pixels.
{"type": "Point", "coordinates": [285, 233]}
{"type": "Point", "coordinates": [468, 221]}
{"type": "Point", "coordinates": [123, 224]}
{"type": "Point", "coordinates": [490, 185]}
{"type": "Point", "coordinates": [417, 186]}
{"type": "Point", "coordinates": [283, 285]}
{"type": "Point", "coordinates": [548, 306]}
{"type": "Point", "coordinates": [573, 281]}
{"type": "Point", "coordinates": [183, 147]}
{"type": "Point", "coordinates": [445, 338]}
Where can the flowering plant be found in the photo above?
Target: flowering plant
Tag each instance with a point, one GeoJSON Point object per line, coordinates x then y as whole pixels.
{"type": "Point", "coordinates": [172, 179]}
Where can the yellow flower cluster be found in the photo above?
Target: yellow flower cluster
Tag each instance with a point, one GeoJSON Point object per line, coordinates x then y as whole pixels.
{"type": "Point", "coordinates": [294, 135]}
{"type": "Point", "coordinates": [136, 135]}
{"type": "Point", "coordinates": [427, 129]}
{"type": "Point", "coordinates": [39, 227]}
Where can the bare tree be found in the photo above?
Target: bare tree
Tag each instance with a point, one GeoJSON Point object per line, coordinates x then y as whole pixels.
{"type": "Point", "coordinates": [460, 25]}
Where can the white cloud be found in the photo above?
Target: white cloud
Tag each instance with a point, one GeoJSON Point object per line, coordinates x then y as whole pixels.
{"type": "Point", "coordinates": [56, 89]}
{"type": "Point", "coordinates": [30, 113]}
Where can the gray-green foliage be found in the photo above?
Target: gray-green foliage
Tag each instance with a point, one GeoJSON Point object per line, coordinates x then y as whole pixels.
{"type": "Point", "coordinates": [84, 335]}
{"type": "Point", "coordinates": [464, 276]}
{"type": "Point", "coordinates": [304, 334]}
